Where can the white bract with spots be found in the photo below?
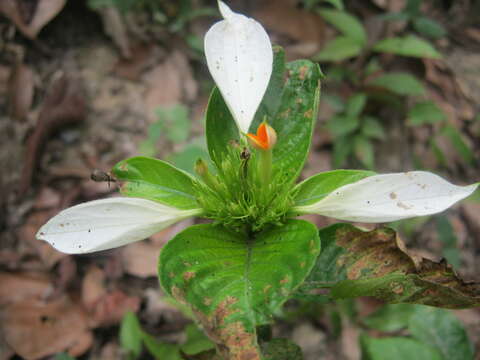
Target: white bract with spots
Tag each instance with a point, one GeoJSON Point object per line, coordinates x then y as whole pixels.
{"type": "Point", "coordinates": [390, 197]}
{"type": "Point", "coordinates": [108, 223]}
{"type": "Point", "coordinates": [239, 56]}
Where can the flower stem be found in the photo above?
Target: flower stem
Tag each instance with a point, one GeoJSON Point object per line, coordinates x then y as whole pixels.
{"type": "Point", "coordinates": [265, 166]}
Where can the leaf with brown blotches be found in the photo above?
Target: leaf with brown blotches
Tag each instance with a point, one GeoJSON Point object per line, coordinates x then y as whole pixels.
{"type": "Point", "coordinates": [376, 263]}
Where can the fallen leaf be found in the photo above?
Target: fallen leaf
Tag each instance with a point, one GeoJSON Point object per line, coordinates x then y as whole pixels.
{"type": "Point", "coordinates": [141, 259]}
{"type": "Point", "coordinates": [105, 307]}
{"type": "Point", "coordinates": [45, 11]}
{"type": "Point", "coordinates": [93, 286]}
{"type": "Point", "coordinates": [284, 17]}
{"type": "Point", "coordinates": [114, 26]}
{"type": "Point", "coordinates": [110, 309]}
{"type": "Point", "coordinates": [169, 83]}
{"type": "Point", "coordinates": [132, 68]}
{"type": "Point", "coordinates": [34, 328]}
{"type": "Point", "coordinates": [17, 286]}
{"type": "Point", "coordinates": [64, 104]}
{"type": "Point", "coordinates": [27, 232]}
{"type": "Point", "coordinates": [47, 198]}
{"type": "Point", "coordinates": [21, 90]}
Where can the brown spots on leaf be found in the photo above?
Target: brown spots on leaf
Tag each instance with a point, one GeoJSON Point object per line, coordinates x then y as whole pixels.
{"type": "Point", "coordinates": [284, 281]}
{"type": "Point", "coordinates": [403, 205]}
{"type": "Point", "coordinates": [393, 195]}
{"type": "Point", "coordinates": [299, 100]}
{"type": "Point", "coordinates": [188, 275]}
{"type": "Point", "coordinates": [302, 264]}
{"type": "Point", "coordinates": [171, 274]}
{"type": "Point", "coordinates": [124, 167]}
{"type": "Point", "coordinates": [397, 288]}
{"type": "Point", "coordinates": [308, 114]}
{"type": "Point", "coordinates": [187, 264]}
{"type": "Point", "coordinates": [267, 288]}
{"type": "Point", "coordinates": [207, 301]}
{"type": "Point", "coordinates": [302, 72]}
{"type": "Point", "coordinates": [285, 114]}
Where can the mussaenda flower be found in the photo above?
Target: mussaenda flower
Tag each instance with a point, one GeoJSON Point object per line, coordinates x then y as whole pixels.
{"type": "Point", "coordinates": [381, 198]}
{"type": "Point", "coordinates": [240, 57]}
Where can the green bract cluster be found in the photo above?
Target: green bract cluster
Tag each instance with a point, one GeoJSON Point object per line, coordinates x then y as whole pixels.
{"type": "Point", "coordinates": [236, 196]}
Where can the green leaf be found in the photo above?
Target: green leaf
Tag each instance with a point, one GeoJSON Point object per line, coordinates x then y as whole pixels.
{"type": "Point", "coordinates": [342, 149]}
{"type": "Point", "coordinates": [375, 263]}
{"type": "Point", "coordinates": [197, 341]}
{"type": "Point", "coordinates": [429, 27]}
{"type": "Point", "coordinates": [221, 129]}
{"type": "Point", "coordinates": [409, 45]}
{"type": "Point", "coordinates": [186, 158]}
{"type": "Point", "coordinates": [131, 335]}
{"type": "Point", "coordinates": [63, 356]}
{"type": "Point", "coordinates": [399, 83]}
{"type": "Point", "coordinates": [338, 49]}
{"type": "Point", "coordinates": [459, 144]}
{"type": "Point", "coordinates": [338, 4]}
{"type": "Point", "coordinates": [396, 348]}
{"type": "Point", "coordinates": [364, 151]}
{"type": "Point", "coordinates": [426, 112]}
{"type": "Point", "coordinates": [390, 318]}
{"type": "Point", "coordinates": [372, 128]}
{"type": "Point", "coordinates": [233, 282]}
{"type": "Point", "coordinates": [347, 24]}
{"type": "Point", "coordinates": [161, 350]}
{"type": "Point", "coordinates": [355, 104]}
{"type": "Point", "coordinates": [447, 236]}
{"type": "Point", "coordinates": [296, 117]}
{"type": "Point", "coordinates": [281, 349]}
{"type": "Point", "coordinates": [319, 186]}
{"type": "Point", "coordinates": [155, 180]}
{"type": "Point", "coordinates": [442, 330]}
{"type": "Point", "coordinates": [341, 125]}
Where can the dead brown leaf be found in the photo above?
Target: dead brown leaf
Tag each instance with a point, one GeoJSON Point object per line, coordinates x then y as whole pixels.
{"type": "Point", "coordinates": [34, 328]}
{"type": "Point", "coordinates": [133, 67]}
{"type": "Point", "coordinates": [169, 83]}
{"type": "Point", "coordinates": [141, 259]}
{"type": "Point", "coordinates": [110, 309]}
{"type": "Point", "coordinates": [114, 26]}
{"type": "Point", "coordinates": [17, 287]}
{"type": "Point", "coordinates": [64, 104]}
{"type": "Point", "coordinates": [105, 307]}
{"type": "Point", "coordinates": [46, 252]}
{"type": "Point", "coordinates": [21, 89]}
{"type": "Point", "coordinates": [45, 11]}
{"type": "Point", "coordinates": [304, 27]}
{"type": "Point", "coordinates": [47, 198]}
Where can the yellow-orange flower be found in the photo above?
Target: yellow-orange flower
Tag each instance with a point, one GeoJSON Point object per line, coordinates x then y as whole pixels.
{"type": "Point", "coordinates": [265, 138]}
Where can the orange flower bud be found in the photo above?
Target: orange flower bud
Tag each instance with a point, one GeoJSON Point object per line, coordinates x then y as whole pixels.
{"type": "Point", "coordinates": [265, 138]}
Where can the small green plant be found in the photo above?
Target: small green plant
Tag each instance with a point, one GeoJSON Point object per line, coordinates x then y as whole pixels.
{"type": "Point", "coordinates": [133, 339]}
{"type": "Point", "coordinates": [233, 274]}
{"type": "Point", "coordinates": [174, 124]}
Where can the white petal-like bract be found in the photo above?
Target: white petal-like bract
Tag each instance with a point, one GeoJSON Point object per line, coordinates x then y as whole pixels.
{"type": "Point", "coordinates": [390, 197]}
{"type": "Point", "coordinates": [108, 223]}
{"type": "Point", "coordinates": [239, 56]}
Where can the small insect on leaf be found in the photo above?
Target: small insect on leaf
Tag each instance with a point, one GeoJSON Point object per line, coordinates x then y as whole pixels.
{"type": "Point", "coordinates": [102, 176]}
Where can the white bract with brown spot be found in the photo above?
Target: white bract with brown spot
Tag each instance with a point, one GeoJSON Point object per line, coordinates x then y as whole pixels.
{"type": "Point", "coordinates": [108, 223]}
{"type": "Point", "coordinates": [390, 197]}
{"type": "Point", "coordinates": [239, 56]}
